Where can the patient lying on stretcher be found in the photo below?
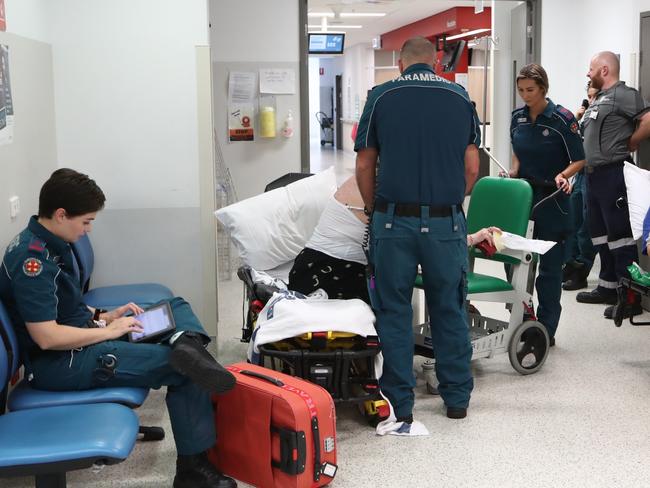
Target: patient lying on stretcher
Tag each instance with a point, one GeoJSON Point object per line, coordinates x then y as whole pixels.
{"type": "Point", "coordinates": [333, 259]}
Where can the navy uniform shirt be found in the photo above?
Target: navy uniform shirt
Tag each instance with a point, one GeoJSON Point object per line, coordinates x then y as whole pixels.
{"type": "Point", "coordinates": [609, 122]}
{"type": "Point", "coordinates": [38, 282]}
{"type": "Point", "coordinates": [421, 125]}
{"type": "Point", "coordinates": [547, 146]}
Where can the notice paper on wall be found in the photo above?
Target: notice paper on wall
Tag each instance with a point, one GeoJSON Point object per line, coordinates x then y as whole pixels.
{"type": "Point", "coordinates": [242, 95]}
{"type": "Point", "coordinates": [6, 100]}
{"type": "Point", "coordinates": [279, 81]}
{"type": "Point", "coordinates": [241, 87]}
{"type": "Point", "coordinates": [240, 123]}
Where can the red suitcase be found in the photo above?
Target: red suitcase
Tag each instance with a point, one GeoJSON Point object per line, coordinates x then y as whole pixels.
{"type": "Point", "coordinates": [275, 430]}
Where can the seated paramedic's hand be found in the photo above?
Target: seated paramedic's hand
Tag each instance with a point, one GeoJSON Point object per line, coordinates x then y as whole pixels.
{"type": "Point", "coordinates": [121, 311]}
{"type": "Point", "coordinates": [118, 327]}
{"type": "Point", "coordinates": [580, 112]}
{"type": "Point", "coordinates": [562, 182]}
{"type": "Point", "coordinates": [486, 234]}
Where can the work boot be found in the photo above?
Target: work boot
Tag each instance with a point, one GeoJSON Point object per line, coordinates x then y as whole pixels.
{"type": "Point", "coordinates": [190, 358]}
{"type": "Point", "coordinates": [456, 412]}
{"type": "Point", "coordinates": [577, 280]}
{"type": "Point", "coordinates": [629, 310]}
{"type": "Point", "coordinates": [197, 472]}
{"type": "Point", "coordinates": [569, 269]}
{"type": "Point", "coordinates": [597, 296]}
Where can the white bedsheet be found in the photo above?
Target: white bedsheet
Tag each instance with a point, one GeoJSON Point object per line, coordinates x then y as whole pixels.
{"type": "Point", "coordinates": [285, 315]}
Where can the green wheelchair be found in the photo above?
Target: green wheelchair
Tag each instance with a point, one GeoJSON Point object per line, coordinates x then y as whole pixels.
{"type": "Point", "coordinates": [505, 203]}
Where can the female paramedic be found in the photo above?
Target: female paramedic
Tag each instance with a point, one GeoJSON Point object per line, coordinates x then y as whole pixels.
{"type": "Point", "coordinates": [67, 345]}
{"type": "Point", "coordinates": [547, 151]}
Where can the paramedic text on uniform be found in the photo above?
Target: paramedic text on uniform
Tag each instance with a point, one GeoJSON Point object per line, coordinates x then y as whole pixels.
{"type": "Point", "coordinates": [546, 148]}
{"type": "Point", "coordinates": [614, 125]}
{"type": "Point", "coordinates": [67, 345]}
{"type": "Point", "coordinates": [425, 133]}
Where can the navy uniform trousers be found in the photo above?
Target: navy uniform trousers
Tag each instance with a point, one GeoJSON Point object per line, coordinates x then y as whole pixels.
{"type": "Point", "coordinates": [609, 224]}
{"type": "Point", "coordinates": [138, 365]}
{"type": "Point", "coordinates": [553, 222]}
{"type": "Point", "coordinates": [398, 245]}
{"type": "Point", "coordinates": [579, 245]}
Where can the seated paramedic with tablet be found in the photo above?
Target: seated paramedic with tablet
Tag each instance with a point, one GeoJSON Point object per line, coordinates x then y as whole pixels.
{"type": "Point", "coordinates": [67, 345]}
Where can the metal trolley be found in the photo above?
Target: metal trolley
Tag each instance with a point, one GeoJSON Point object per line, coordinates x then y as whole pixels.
{"type": "Point", "coordinates": [327, 128]}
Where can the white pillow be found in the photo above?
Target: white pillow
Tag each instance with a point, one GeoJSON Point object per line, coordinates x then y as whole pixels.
{"type": "Point", "coordinates": [272, 228]}
{"type": "Point", "coordinates": [637, 181]}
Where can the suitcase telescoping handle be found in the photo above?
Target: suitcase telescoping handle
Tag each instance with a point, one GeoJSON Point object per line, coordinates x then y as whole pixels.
{"type": "Point", "coordinates": [264, 377]}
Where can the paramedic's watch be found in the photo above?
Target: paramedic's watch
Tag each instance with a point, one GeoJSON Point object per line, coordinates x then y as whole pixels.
{"type": "Point", "coordinates": [98, 312]}
{"type": "Point", "coordinates": [366, 211]}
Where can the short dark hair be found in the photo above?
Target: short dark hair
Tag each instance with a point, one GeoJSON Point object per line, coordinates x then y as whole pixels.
{"type": "Point", "coordinates": [536, 73]}
{"type": "Point", "coordinates": [418, 49]}
{"type": "Point", "coordinates": [72, 191]}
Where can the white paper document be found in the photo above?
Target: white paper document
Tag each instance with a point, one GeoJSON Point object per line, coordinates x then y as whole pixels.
{"type": "Point", "coordinates": [278, 81]}
{"type": "Point", "coordinates": [518, 243]}
{"type": "Point", "coordinates": [241, 88]}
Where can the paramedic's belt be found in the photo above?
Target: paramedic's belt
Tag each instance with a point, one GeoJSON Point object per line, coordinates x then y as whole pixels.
{"type": "Point", "coordinates": [413, 209]}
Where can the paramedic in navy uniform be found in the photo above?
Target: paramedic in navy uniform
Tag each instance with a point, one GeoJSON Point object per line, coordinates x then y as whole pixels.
{"type": "Point", "coordinates": [63, 341]}
{"type": "Point", "coordinates": [546, 148]}
{"type": "Point", "coordinates": [425, 132]}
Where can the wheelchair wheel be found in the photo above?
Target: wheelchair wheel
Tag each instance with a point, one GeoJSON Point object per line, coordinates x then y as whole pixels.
{"type": "Point", "coordinates": [528, 347]}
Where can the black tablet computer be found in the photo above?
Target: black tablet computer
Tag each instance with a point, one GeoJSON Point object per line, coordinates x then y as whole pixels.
{"type": "Point", "coordinates": [156, 321]}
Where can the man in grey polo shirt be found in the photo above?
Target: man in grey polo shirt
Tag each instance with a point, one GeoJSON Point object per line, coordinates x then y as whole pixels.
{"type": "Point", "coordinates": [615, 124]}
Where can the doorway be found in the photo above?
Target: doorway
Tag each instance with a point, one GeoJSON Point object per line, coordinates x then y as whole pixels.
{"type": "Point", "coordinates": [643, 158]}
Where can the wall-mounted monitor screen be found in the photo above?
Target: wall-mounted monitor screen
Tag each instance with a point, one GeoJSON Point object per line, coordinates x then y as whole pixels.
{"type": "Point", "coordinates": [452, 55]}
{"type": "Point", "coordinates": [321, 43]}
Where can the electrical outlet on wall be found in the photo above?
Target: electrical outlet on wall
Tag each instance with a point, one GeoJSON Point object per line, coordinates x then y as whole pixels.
{"type": "Point", "coordinates": [14, 207]}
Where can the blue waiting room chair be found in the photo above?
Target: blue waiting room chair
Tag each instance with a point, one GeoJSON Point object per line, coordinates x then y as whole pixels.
{"type": "Point", "coordinates": [109, 297]}
{"type": "Point", "coordinates": [25, 397]}
{"type": "Point", "coordinates": [48, 442]}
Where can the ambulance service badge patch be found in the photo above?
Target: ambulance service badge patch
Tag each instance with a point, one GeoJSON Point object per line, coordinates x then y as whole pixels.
{"type": "Point", "coordinates": [574, 127]}
{"type": "Point", "coordinates": [32, 267]}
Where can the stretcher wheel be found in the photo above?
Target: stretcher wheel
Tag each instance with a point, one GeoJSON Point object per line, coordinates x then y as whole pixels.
{"type": "Point", "coordinates": [528, 347]}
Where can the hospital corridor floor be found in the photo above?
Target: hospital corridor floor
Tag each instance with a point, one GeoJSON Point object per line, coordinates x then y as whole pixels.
{"type": "Point", "coordinates": [582, 421]}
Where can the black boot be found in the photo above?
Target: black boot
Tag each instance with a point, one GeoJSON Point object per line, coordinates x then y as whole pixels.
{"type": "Point", "coordinates": [190, 358]}
{"type": "Point", "coordinates": [578, 279]}
{"type": "Point", "coordinates": [569, 268]}
{"type": "Point", "coordinates": [197, 472]}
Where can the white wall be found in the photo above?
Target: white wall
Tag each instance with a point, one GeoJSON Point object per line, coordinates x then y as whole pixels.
{"type": "Point", "coordinates": [247, 36]}
{"type": "Point", "coordinates": [28, 18]}
{"type": "Point", "coordinates": [125, 85]}
{"type": "Point", "coordinates": [29, 160]}
{"type": "Point", "coordinates": [125, 96]}
{"type": "Point", "coordinates": [607, 26]}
